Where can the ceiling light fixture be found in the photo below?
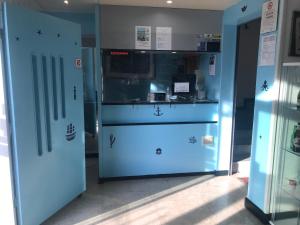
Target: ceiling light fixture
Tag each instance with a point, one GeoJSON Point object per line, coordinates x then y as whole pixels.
{"type": "Point", "coordinates": [169, 2]}
{"type": "Point", "coordinates": [66, 2]}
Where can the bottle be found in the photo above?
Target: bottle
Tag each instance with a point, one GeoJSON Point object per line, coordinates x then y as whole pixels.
{"type": "Point", "coordinates": [168, 95]}
{"type": "Point", "coordinates": [295, 140]}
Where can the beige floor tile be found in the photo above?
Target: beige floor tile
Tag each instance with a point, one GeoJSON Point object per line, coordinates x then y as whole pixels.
{"type": "Point", "coordinates": [206, 200]}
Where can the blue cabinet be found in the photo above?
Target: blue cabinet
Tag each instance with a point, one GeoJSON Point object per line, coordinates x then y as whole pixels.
{"type": "Point", "coordinates": [158, 149]}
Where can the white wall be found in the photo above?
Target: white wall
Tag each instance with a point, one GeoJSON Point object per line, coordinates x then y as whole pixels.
{"type": "Point", "coordinates": [7, 214]}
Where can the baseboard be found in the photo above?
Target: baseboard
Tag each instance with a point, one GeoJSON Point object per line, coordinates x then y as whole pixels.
{"type": "Point", "coordinates": [264, 218]}
{"type": "Point", "coordinates": [91, 155]}
{"type": "Point", "coordinates": [106, 179]}
{"type": "Point", "coordinates": [286, 215]}
{"type": "Point", "coordinates": [222, 173]}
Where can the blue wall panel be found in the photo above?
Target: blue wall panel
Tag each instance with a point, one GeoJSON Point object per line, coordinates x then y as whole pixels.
{"type": "Point", "coordinates": [41, 77]}
{"type": "Point", "coordinates": [86, 20]}
{"type": "Point", "coordinates": [263, 103]}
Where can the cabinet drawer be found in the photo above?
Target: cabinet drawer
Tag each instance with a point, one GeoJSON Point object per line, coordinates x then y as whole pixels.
{"type": "Point", "coordinates": [157, 149]}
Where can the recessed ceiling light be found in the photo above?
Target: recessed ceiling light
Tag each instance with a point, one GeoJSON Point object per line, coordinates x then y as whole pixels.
{"type": "Point", "coordinates": [169, 2]}
{"type": "Point", "coordinates": [66, 2]}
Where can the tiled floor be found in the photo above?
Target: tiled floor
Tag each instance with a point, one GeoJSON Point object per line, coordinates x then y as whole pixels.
{"type": "Point", "coordinates": [172, 201]}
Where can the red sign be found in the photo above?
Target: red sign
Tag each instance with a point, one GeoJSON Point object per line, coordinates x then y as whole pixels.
{"type": "Point", "coordinates": [119, 53]}
{"type": "Point", "coordinates": [78, 63]}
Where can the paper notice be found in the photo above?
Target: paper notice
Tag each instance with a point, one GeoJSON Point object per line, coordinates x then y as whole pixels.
{"type": "Point", "coordinates": [143, 37]}
{"type": "Point", "coordinates": [183, 87]}
{"type": "Point", "coordinates": [268, 50]}
{"type": "Point", "coordinates": [163, 38]}
{"type": "Point", "coordinates": [269, 16]}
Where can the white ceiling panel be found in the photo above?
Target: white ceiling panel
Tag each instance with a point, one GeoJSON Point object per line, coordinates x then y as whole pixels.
{"type": "Point", "coordinates": [87, 5]}
{"type": "Point", "coordinates": [186, 4]}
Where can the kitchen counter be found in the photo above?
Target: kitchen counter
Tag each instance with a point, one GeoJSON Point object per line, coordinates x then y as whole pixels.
{"type": "Point", "coordinates": [207, 101]}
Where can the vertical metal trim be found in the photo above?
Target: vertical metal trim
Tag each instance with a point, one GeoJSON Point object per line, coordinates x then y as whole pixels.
{"type": "Point", "coordinates": [37, 104]}
{"type": "Point", "coordinates": [46, 99]}
{"type": "Point", "coordinates": [62, 83]}
{"type": "Point", "coordinates": [54, 88]}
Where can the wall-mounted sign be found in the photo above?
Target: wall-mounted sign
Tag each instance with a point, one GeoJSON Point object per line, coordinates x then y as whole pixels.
{"type": "Point", "coordinates": [212, 65]}
{"type": "Point", "coordinates": [181, 87]}
{"type": "Point", "coordinates": [268, 50]}
{"type": "Point", "coordinates": [78, 64]}
{"type": "Point", "coordinates": [143, 37]}
{"type": "Point", "coordinates": [269, 16]}
{"type": "Point", "coordinates": [163, 38]}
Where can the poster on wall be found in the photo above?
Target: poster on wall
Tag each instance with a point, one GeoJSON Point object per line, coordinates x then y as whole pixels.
{"type": "Point", "coordinates": [163, 38]}
{"type": "Point", "coordinates": [212, 65]}
{"type": "Point", "coordinates": [142, 37]}
{"type": "Point", "coordinates": [269, 16]}
{"type": "Point", "coordinates": [268, 50]}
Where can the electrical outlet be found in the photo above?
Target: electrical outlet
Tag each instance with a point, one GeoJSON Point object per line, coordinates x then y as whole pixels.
{"type": "Point", "coordinates": [208, 140]}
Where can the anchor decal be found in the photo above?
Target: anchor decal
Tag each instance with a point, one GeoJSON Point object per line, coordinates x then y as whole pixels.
{"type": "Point", "coordinates": [158, 112]}
{"type": "Point", "coordinates": [265, 86]}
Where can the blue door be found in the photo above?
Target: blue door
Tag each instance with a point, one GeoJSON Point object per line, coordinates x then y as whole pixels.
{"type": "Point", "coordinates": [45, 94]}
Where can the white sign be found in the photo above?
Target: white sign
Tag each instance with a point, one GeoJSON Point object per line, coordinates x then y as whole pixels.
{"type": "Point", "coordinates": [143, 37]}
{"type": "Point", "coordinates": [269, 16]}
{"type": "Point", "coordinates": [182, 87]}
{"type": "Point", "coordinates": [163, 38]}
{"type": "Point", "coordinates": [212, 65]}
{"type": "Point", "coordinates": [268, 50]}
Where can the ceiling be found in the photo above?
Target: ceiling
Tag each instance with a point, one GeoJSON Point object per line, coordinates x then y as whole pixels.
{"type": "Point", "coordinates": [87, 5]}
{"type": "Point", "coordinates": [188, 4]}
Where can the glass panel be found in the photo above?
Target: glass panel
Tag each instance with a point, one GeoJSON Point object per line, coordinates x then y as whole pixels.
{"type": "Point", "coordinates": [286, 185]}
{"type": "Point", "coordinates": [144, 76]}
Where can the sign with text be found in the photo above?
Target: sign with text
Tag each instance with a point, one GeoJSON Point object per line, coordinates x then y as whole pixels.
{"type": "Point", "coordinates": [269, 16]}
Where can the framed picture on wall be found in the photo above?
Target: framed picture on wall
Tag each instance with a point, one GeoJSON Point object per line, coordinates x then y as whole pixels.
{"type": "Point", "coordinates": [295, 39]}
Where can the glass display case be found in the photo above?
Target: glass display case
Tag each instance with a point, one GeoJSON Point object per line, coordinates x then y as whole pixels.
{"type": "Point", "coordinates": [147, 76]}
{"type": "Point", "coordinates": [286, 182]}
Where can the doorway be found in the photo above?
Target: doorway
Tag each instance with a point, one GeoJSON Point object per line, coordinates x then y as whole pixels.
{"type": "Point", "coordinates": [245, 83]}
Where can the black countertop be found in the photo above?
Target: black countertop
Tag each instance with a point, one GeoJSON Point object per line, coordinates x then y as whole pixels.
{"type": "Point", "coordinates": [187, 102]}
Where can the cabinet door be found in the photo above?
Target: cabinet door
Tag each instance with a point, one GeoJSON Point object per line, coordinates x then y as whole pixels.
{"type": "Point", "coordinates": [158, 149]}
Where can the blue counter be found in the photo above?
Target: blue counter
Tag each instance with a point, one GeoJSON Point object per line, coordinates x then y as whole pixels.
{"type": "Point", "coordinates": [157, 139]}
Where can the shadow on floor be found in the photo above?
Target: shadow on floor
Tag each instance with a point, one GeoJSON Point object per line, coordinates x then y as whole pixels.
{"type": "Point", "coordinates": [183, 200]}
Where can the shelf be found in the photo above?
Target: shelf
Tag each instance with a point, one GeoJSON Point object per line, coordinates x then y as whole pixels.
{"type": "Point", "coordinates": [294, 153]}
{"type": "Point", "coordinates": [188, 102]}
{"type": "Point", "coordinates": [291, 64]}
{"type": "Point", "coordinates": [293, 192]}
{"type": "Point", "coordinates": [163, 51]}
